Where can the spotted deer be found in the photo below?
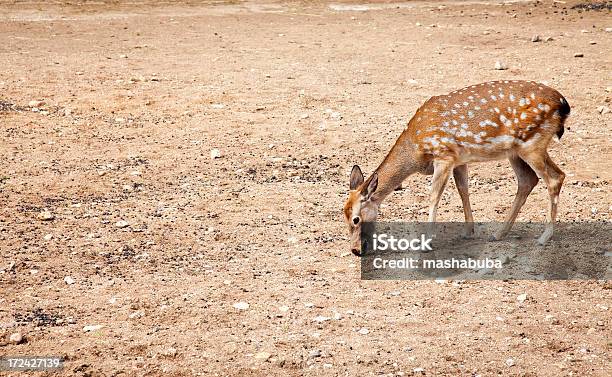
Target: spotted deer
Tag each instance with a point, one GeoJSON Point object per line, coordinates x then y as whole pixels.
{"type": "Point", "coordinates": [489, 121]}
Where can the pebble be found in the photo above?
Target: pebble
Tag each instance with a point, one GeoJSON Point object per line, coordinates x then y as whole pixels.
{"type": "Point", "coordinates": [46, 216]}
{"type": "Point", "coordinates": [16, 338]}
{"type": "Point", "coordinates": [122, 224]}
{"type": "Point", "coordinates": [123, 56]}
{"type": "Point", "coordinates": [510, 362]}
{"type": "Point", "coordinates": [137, 314]}
{"type": "Point", "coordinates": [500, 66]}
{"type": "Point", "coordinates": [309, 305]}
{"type": "Point", "coordinates": [578, 55]}
{"type": "Point", "coordinates": [536, 38]}
{"type": "Point", "coordinates": [548, 39]}
{"type": "Point", "coordinates": [69, 280]}
{"type": "Point", "coordinates": [263, 356]}
{"type": "Point", "coordinates": [119, 120]}
{"type": "Point", "coordinates": [321, 318]}
{"type": "Point", "coordinates": [215, 153]}
{"type": "Point", "coordinates": [418, 370]}
{"type": "Point", "coordinates": [522, 297]}
{"type": "Point", "coordinates": [217, 105]}
{"type": "Point", "coordinates": [91, 328]}
{"type": "Point", "coordinates": [335, 116]}
{"type": "Point", "coordinates": [314, 353]}
{"type": "Point", "coordinates": [48, 237]}
{"type": "Point", "coordinates": [609, 30]}
{"type": "Point", "coordinates": [363, 331]}
{"type": "Point", "coordinates": [241, 305]}
{"type": "Point", "coordinates": [35, 103]}
{"type": "Point", "coordinates": [284, 309]}
{"type": "Point", "coordinates": [603, 110]}
{"type": "Point", "coordinates": [304, 116]}
{"type": "Point", "coordinates": [170, 352]}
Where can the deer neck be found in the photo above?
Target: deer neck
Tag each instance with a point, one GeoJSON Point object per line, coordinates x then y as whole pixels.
{"type": "Point", "coordinates": [400, 162]}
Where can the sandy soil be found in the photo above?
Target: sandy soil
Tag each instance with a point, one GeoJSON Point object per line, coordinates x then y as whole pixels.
{"type": "Point", "coordinates": [136, 95]}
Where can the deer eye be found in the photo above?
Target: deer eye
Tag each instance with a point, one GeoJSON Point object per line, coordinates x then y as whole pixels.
{"type": "Point", "coordinates": [356, 220]}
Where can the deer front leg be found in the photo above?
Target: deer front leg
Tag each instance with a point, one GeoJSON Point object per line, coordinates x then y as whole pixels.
{"type": "Point", "coordinates": [460, 174]}
{"type": "Point", "coordinates": [442, 169]}
{"type": "Point", "coordinates": [526, 179]}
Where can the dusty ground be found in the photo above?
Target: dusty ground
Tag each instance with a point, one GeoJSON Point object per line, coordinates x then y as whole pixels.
{"type": "Point", "coordinates": [292, 94]}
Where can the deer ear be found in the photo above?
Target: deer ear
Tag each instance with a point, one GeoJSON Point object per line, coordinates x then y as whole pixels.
{"type": "Point", "coordinates": [371, 188]}
{"type": "Point", "coordinates": [356, 178]}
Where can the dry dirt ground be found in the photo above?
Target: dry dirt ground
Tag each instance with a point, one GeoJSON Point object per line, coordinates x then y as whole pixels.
{"type": "Point", "coordinates": [292, 94]}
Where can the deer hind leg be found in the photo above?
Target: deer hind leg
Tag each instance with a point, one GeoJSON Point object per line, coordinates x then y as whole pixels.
{"type": "Point", "coordinates": [460, 174]}
{"type": "Point", "coordinates": [553, 176]}
{"type": "Point", "coordinates": [442, 169]}
{"type": "Point", "coordinates": [526, 179]}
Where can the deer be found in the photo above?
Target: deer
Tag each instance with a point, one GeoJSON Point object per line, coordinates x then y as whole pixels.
{"type": "Point", "coordinates": [510, 119]}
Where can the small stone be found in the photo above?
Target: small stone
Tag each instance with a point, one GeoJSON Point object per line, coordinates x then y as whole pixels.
{"type": "Point", "coordinates": [536, 38]}
{"type": "Point", "coordinates": [16, 338]}
{"type": "Point", "coordinates": [137, 314]}
{"type": "Point", "coordinates": [263, 356]}
{"type": "Point", "coordinates": [510, 362]}
{"type": "Point", "coordinates": [215, 153]}
{"type": "Point", "coordinates": [217, 105]}
{"type": "Point", "coordinates": [170, 352]}
{"type": "Point", "coordinates": [321, 318]}
{"type": "Point", "coordinates": [91, 328]}
{"type": "Point", "coordinates": [122, 224]}
{"type": "Point", "coordinates": [363, 331]}
{"type": "Point", "coordinates": [46, 216]}
{"type": "Point", "coordinates": [592, 42]}
{"type": "Point", "coordinates": [522, 297]}
{"type": "Point", "coordinates": [119, 120]}
{"type": "Point", "coordinates": [123, 56]}
{"type": "Point", "coordinates": [609, 30]}
{"type": "Point", "coordinates": [36, 103]}
{"type": "Point", "coordinates": [69, 280]}
{"type": "Point", "coordinates": [314, 353]}
{"type": "Point", "coordinates": [309, 305]}
{"type": "Point", "coordinates": [418, 370]}
{"type": "Point", "coordinates": [241, 305]}
{"type": "Point", "coordinates": [335, 115]}
{"type": "Point", "coordinates": [548, 39]}
{"type": "Point", "coordinates": [603, 109]}
{"type": "Point", "coordinates": [304, 116]}
{"type": "Point", "coordinates": [48, 237]}
{"type": "Point", "coordinates": [284, 309]}
{"type": "Point", "coordinates": [418, 24]}
{"type": "Point", "coordinates": [500, 66]}
{"type": "Point", "coordinates": [578, 55]}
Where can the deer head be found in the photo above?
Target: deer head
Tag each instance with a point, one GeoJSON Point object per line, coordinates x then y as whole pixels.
{"type": "Point", "coordinates": [359, 207]}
